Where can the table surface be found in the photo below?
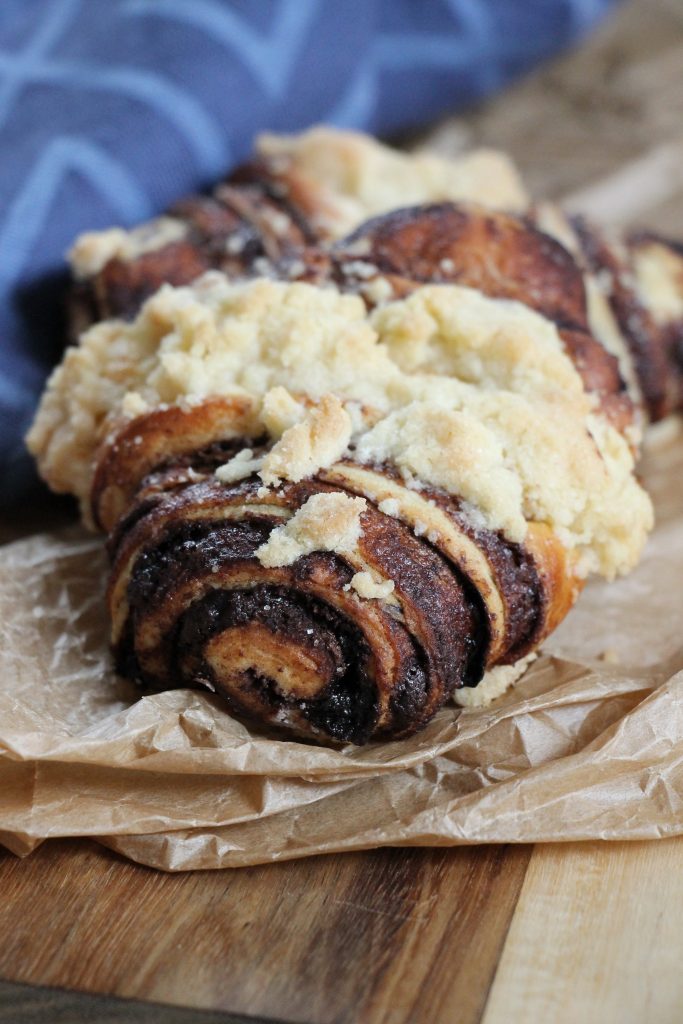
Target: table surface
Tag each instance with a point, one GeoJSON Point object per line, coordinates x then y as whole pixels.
{"type": "Point", "coordinates": [580, 932]}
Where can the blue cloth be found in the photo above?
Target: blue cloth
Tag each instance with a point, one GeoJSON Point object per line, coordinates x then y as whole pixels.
{"type": "Point", "coordinates": [112, 109]}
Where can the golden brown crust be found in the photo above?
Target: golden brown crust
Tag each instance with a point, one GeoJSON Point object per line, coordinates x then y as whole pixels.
{"type": "Point", "coordinates": [496, 253]}
{"type": "Point", "coordinates": [152, 440]}
{"type": "Point", "coordinates": [560, 583]}
{"type": "Point", "coordinates": [501, 256]}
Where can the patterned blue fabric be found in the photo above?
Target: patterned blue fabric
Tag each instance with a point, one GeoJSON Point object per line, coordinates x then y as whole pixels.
{"type": "Point", "coordinates": [111, 109]}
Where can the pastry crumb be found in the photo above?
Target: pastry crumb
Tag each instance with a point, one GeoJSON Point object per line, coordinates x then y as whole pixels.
{"type": "Point", "coordinates": [330, 521]}
{"type": "Point", "coordinates": [366, 586]}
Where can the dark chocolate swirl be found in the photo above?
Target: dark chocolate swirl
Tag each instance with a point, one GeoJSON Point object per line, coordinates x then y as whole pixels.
{"type": "Point", "coordinates": [295, 646]}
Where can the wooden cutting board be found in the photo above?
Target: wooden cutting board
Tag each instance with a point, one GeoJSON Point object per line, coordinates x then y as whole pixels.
{"type": "Point", "coordinates": [578, 933]}
{"type": "Point", "coordinates": [570, 935]}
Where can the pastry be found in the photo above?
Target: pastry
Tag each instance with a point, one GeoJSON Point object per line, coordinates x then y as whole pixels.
{"type": "Point", "coordinates": [354, 460]}
{"type": "Point", "coordinates": [336, 515]}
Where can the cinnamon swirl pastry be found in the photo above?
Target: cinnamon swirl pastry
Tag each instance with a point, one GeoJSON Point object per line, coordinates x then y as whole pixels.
{"type": "Point", "coordinates": [336, 514]}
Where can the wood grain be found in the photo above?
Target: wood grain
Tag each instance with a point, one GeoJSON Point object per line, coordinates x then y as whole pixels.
{"type": "Point", "coordinates": [597, 937]}
{"type": "Point", "coordinates": [390, 936]}
{"type": "Point", "coordinates": [26, 1004]}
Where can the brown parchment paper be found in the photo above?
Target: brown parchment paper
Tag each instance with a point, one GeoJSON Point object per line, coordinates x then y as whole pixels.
{"type": "Point", "coordinates": [589, 744]}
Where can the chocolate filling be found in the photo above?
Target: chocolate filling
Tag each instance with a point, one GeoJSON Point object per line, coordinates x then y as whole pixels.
{"type": "Point", "coordinates": [190, 548]}
{"type": "Point", "coordinates": [515, 573]}
{"type": "Point", "coordinates": [346, 706]}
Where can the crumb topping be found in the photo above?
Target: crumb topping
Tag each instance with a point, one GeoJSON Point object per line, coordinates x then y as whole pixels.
{"type": "Point", "coordinates": [354, 177]}
{"type": "Point", "coordinates": [315, 443]}
{"type": "Point", "coordinates": [280, 411]}
{"type": "Point", "coordinates": [368, 587]}
{"type": "Point", "coordinates": [509, 430]}
{"type": "Point", "coordinates": [240, 466]}
{"type": "Point", "coordinates": [658, 274]}
{"type": "Point", "coordinates": [458, 332]}
{"type": "Point", "coordinates": [326, 522]}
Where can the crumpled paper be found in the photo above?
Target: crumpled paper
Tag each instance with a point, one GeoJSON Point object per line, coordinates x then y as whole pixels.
{"type": "Point", "coordinates": [588, 745]}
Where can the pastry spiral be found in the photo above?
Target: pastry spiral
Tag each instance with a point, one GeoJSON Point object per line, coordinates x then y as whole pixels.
{"type": "Point", "coordinates": [294, 645]}
{"type": "Point", "coordinates": [364, 642]}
